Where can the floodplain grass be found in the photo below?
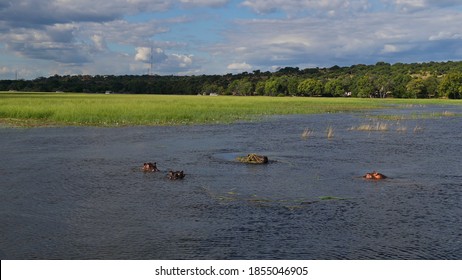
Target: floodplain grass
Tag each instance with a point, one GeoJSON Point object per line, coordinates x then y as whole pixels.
{"type": "Point", "coordinates": [79, 109]}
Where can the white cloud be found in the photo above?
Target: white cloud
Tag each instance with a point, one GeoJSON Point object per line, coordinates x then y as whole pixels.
{"type": "Point", "coordinates": [206, 3]}
{"type": "Point", "coordinates": [99, 42]}
{"type": "Point", "coordinates": [389, 48]}
{"type": "Point", "coordinates": [143, 54]}
{"type": "Point", "coordinates": [329, 7]}
{"type": "Point", "coordinates": [415, 5]}
{"type": "Point", "coordinates": [364, 38]}
{"type": "Point", "coordinates": [239, 66]}
{"type": "Point", "coordinates": [171, 63]}
{"type": "Point", "coordinates": [445, 35]}
{"type": "Point", "coordinates": [5, 70]}
{"type": "Point", "coordinates": [181, 60]}
{"type": "Point", "coordinates": [94, 36]}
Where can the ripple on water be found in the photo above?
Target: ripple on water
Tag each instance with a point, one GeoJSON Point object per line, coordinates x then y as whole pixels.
{"type": "Point", "coordinates": [78, 193]}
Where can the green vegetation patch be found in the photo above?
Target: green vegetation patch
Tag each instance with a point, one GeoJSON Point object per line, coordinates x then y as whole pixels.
{"type": "Point", "coordinates": [127, 110]}
{"type": "Point", "coordinates": [36, 109]}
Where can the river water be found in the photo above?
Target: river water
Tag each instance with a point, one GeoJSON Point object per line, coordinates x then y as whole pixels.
{"type": "Point", "coordinates": [78, 192]}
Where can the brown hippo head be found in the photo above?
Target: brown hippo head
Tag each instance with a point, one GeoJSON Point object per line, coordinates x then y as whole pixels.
{"type": "Point", "coordinates": [378, 175]}
{"type": "Point", "coordinates": [174, 175]}
{"type": "Point", "coordinates": [150, 167]}
{"type": "Point", "coordinates": [368, 176]}
{"type": "Point", "coordinates": [374, 175]}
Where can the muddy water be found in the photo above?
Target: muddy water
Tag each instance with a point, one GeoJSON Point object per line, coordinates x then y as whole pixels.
{"type": "Point", "coordinates": [78, 193]}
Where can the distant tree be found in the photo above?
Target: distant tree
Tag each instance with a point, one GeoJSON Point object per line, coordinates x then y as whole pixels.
{"type": "Point", "coordinates": [260, 88]}
{"type": "Point", "coordinates": [292, 85]}
{"type": "Point", "coordinates": [277, 86]}
{"type": "Point", "coordinates": [311, 87]}
{"type": "Point", "coordinates": [212, 88]}
{"type": "Point", "coordinates": [241, 87]}
{"type": "Point", "coordinates": [431, 83]}
{"type": "Point", "coordinates": [289, 70]}
{"type": "Point", "coordinates": [451, 85]}
{"type": "Point", "coordinates": [334, 87]}
{"type": "Point", "coordinates": [399, 82]}
{"type": "Point", "coordinates": [378, 80]}
{"type": "Point", "coordinates": [416, 88]}
{"type": "Point", "coordinates": [382, 84]}
{"type": "Point", "coordinates": [365, 86]}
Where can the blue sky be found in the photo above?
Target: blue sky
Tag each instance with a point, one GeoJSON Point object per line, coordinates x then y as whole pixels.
{"type": "Point", "coordinates": [194, 37]}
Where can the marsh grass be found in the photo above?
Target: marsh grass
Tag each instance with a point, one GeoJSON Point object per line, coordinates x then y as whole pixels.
{"type": "Point", "coordinates": [418, 116]}
{"type": "Point", "coordinates": [379, 126]}
{"type": "Point", "coordinates": [124, 110]}
{"type": "Point", "coordinates": [330, 132]}
{"type": "Point", "coordinates": [418, 129]}
{"type": "Point", "coordinates": [402, 129]}
{"type": "Point", "coordinates": [307, 133]}
{"type": "Point", "coordinates": [37, 109]}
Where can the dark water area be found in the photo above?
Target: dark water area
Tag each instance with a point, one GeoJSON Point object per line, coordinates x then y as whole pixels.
{"type": "Point", "coordinates": [78, 192]}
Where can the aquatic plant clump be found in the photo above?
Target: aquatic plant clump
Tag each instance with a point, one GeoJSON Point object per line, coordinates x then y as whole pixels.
{"type": "Point", "coordinates": [254, 159]}
{"type": "Point", "coordinates": [372, 127]}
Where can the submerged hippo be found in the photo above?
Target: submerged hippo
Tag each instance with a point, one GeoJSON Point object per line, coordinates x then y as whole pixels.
{"type": "Point", "coordinates": [375, 175]}
{"type": "Point", "coordinates": [150, 167]}
{"type": "Point", "coordinates": [174, 175]}
{"type": "Point", "coordinates": [253, 158]}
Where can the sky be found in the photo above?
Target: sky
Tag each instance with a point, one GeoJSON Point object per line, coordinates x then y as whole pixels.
{"type": "Point", "coordinates": [41, 38]}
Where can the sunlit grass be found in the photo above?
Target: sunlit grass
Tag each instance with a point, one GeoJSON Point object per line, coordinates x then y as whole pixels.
{"type": "Point", "coordinates": [35, 109]}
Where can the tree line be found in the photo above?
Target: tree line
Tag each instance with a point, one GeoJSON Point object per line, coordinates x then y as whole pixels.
{"type": "Point", "coordinates": [399, 80]}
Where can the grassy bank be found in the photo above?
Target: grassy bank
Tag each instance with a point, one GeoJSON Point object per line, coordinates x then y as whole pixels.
{"type": "Point", "coordinates": [37, 109]}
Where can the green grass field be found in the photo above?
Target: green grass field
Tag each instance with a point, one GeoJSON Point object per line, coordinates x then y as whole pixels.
{"type": "Point", "coordinates": [43, 109]}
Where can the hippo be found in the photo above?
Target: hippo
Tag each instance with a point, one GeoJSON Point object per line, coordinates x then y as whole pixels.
{"type": "Point", "coordinates": [150, 167]}
{"type": "Point", "coordinates": [253, 158]}
{"type": "Point", "coordinates": [174, 175]}
{"type": "Point", "coordinates": [375, 175]}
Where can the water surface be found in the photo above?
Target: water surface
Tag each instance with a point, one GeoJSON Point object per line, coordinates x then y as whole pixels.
{"type": "Point", "coordinates": [78, 192]}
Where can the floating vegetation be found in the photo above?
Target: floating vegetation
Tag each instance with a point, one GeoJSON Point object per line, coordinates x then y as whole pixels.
{"type": "Point", "coordinates": [253, 158]}
{"type": "Point", "coordinates": [330, 198]}
{"type": "Point", "coordinates": [448, 114]}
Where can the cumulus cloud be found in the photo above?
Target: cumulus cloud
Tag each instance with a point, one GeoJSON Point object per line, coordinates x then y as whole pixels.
{"type": "Point", "coordinates": [415, 5]}
{"type": "Point", "coordinates": [239, 66]}
{"type": "Point", "coordinates": [99, 42]}
{"type": "Point", "coordinates": [207, 3]}
{"type": "Point", "coordinates": [72, 31]}
{"type": "Point", "coordinates": [446, 35]}
{"type": "Point", "coordinates": [95, 36]}
{"type": "Point", "coordinates": [144, 54]}
{"type": "Point", "coordinates": [329, 7]}
{"type": "Point", "coordinates": [181, 60]}
{"type": "Point", "coordinates": [171, 63]}
{"type": "Point", "coordinates": [365, 38]}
